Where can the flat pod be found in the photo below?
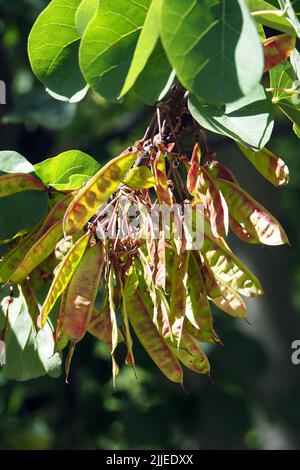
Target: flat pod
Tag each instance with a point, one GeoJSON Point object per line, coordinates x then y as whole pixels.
{"type": "Point", "coordinates": [100, 326]}
{"type": "Point", "coordinates": [81, 294]}
{"type": "Point", "coordinates": [97, 191]}
{"type": "Point", "coordinates": [42, 248]}
{"type": "Point", "coordinates": [268, 164]}
{"type": "Point", "coordinates": [230, 301]}
{"type": "Point", "coordinates": [16, 255]}
{"type": "Point", "coordinates": [17, 182]}
{"type": "Point", "coordinates": [31, 301]}
{"type": "Point", "coordinates": [277, 49]}
{"type": "Point", "coordinates": [63, 276]}
{"type": "Point", "coordinates": [197, 306]}
{"type": "Point", "coordinates": [178, 294]}
{"type": "Point", "coordinates": [56, 214]}
{"type": "Point", "coordinates": [192, 356]}
{"type": "Point", "coordinates": [228, 267]}
{"type": "Point", "coordinates": [252, 216]}
{"type": "Point", "coordinates": [151, 340]}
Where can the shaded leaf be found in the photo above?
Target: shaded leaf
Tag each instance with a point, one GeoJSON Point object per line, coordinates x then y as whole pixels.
{"type": "Point", "coordinates": [156, 78]}
{"type": "Point", "coordinates": [249, 121]}
{"type": "Point", "coordinates": [28, 354]}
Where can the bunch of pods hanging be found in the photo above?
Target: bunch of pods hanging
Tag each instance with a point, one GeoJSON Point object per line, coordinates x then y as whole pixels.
{"type": "Point", "coordinates": [112, 271]}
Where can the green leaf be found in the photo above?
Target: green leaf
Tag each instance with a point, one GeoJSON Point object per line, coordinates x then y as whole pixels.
{"type": "Point", "coordinates": [290, 14]}
{"type": "Point", "coordinates": [295, 61]}
{"type": "Point", "coordinates": [68, 170]}
{"type": "Point", "coordinates": [274, 21]}
{"type": "Point", "coordinates": [53, 48]}
{"type": "Point", "coordinates": [21, 211]}
{"type": "Point", "coordinates": [28, 354]}
{"type": "Point", "coordinates": [145, 45]}
{"type": "Point", "coordinates": [291, 111]}
{"type": "Point", "coordinates": [209, 45]}
{"type": "Point", "coordinates": [140, 177]}
{"type": "Point", "coordinates": [13, 162]}
{"type": "Point", "coordinates": [85, 13]}
{"type": "Point", "coordinates": [296, 129]}
{"type": "Point", "coordinates": [108, 45]}
{"type": "Point", "coordinates": [282, 80]}
{"type": "Point", "coordinates": [157, 77]}
{"type": "Point", "coordinates": [249, 120]}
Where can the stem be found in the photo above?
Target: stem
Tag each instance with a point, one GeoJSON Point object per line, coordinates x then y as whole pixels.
{"type": "Point", "coordinates": [148, 128]}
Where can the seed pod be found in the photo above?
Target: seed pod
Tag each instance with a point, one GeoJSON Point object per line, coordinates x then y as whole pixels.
{"type": "Point", "coordinates": [252, 216]}
{"type": "Point", "coordinates": [277, 49]}
{"type": "Point", "coordinates": [139, 178]}
{"type": "Point", "coordinates": [151, 340]}
{"type": "Point", "coordinates": [63, 276]}
{"type": "Point", "coordinates": [271, 167]}
{"type": "Point", "coordinates": [192, 356]}
{"type": "Point", "coordinates": [218, 170]}
{"type": "Point", "coordinates": [215, 205]}
{"type": "Point", "coordinates": [178, 294]}
{"type": "Point", "coordinates": [193, 172]}
{"type": "Point", "coordinates": [210, 282]}
{"type": "Point", "coordinates": [13, 183]}
{"type": "Point", "coordinates": [56, 214]}
{"type": "Point", "coordinates": [100, 326]}
{"type": "Point", "coordinates": [161, 183]}
{"type": "Point", "coordinates": [15, 256]}
{"type": "Point", "coordinates": [61, 341]}
{"type": "Point", "coordinates": [31, 301]}
{"type": "Point", "coordinates": [97, 191]}
{"type": "Point", "coordinates": [228, 267]}
{"type": "Point", "coordinates": [197, 307]}
{"type": "Point", "coordinates": [230, 301]}
{"type": "Point", "coordinates": [114, 325]}
{"type": "Point", "coordinates": [81, 294]}
{"type": "Point", "coordinates": [38, 253]}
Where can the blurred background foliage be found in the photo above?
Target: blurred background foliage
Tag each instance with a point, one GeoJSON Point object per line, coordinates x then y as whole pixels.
{"type": "Point", "coordinates": [252, 399]}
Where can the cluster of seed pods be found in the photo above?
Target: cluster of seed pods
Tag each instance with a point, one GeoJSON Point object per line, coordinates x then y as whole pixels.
{"type": "Point", "coordinates": [159, 288]}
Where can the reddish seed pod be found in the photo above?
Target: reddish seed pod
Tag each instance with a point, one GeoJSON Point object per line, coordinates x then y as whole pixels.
{"type": "Point", "coordinates": [277, 49]}
{"type": "Point", "coordinates": [81, 294]}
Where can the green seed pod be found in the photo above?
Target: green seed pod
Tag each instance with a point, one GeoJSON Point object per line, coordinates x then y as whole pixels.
{"type": "Point", "coordinates": [63, 276]}
{"type": "Point", "coordinates": [97, 192]}
{"type": "Point", "coordinates": [15, 256]}
{"type": "Point", "coordinates": [13, 183]}
{"type": "Point", "coordinates": [38, 253]}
